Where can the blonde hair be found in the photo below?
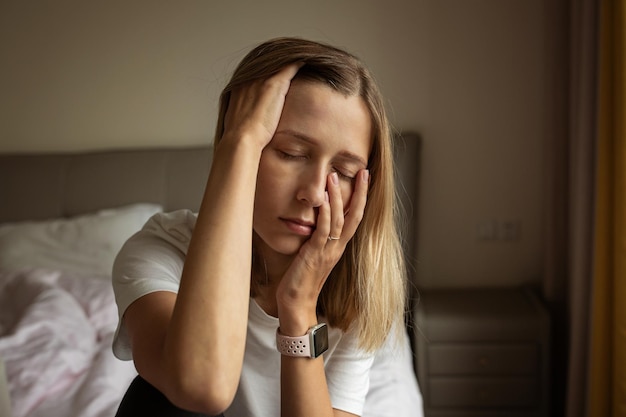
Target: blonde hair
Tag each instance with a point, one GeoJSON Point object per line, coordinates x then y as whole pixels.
{"type": "Point", "coordinates": [367, 287]}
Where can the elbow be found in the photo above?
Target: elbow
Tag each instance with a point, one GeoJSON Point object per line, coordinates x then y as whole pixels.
{"type": "Point", "coordinates": [209, 403]}
{"type": "Point", "coordinates": [191, 384]}
{"type": "Point", "coordinates": [206, 395]}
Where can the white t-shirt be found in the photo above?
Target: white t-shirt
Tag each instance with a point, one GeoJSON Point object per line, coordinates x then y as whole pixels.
{"type": "Point", "coordinates": [152, 260]}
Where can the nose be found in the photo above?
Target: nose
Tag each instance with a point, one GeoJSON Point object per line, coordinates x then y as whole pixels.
{"type": "Point", "coordinates": [312, 185]}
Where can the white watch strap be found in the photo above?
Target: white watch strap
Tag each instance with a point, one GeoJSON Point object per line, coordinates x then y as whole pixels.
{"type": "Point", "coordinates": [294, 346]}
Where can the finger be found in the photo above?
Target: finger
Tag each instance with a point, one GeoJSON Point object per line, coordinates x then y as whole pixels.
{"type": "Point", "coordinates": [259, 104]}
{"type": "Point", "coordinates": [278, 84]}
{"type": "Point", "coordinates": [357, 203]}
{"type": "Point", "coordinates": [274, 90]}
{"type": "Point", "coordinates": [336, 207]}
{"type": "Point", "coordinates": [322, 226]}
{"type": "Point", "coordinates": [290, 71]}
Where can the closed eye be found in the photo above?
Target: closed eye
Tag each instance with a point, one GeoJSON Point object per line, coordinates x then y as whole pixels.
{"type": "Point", "coordinates": [345, 176]}
{"type": "Point", "coordinates": [290, 156]}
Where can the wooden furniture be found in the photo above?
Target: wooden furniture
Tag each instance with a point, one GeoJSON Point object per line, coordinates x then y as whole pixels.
{"type": "Point", "coordinates": [483, 353]}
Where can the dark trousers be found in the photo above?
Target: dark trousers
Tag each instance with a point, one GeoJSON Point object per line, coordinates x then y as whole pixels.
{"type": "Point", "coordinates": [142, 399]}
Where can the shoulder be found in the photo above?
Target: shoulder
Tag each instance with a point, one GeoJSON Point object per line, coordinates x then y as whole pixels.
{"type": "Point", "coordinates": [175, 227]}
{"type": "Point", "coordinates": [151, 260]}
{"type": "Point", "coordinates": [156, 252]}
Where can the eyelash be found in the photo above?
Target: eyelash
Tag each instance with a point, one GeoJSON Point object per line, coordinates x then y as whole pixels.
{"type": "Point", "coordinates": [290, 157]}
{"type": "Point", "coordinates": [344, 176]}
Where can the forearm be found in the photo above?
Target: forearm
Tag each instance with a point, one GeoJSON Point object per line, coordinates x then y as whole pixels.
{"type": "Point", "coordinates": [304, 391]}
{"type": "Point", "coordinates": [191, 345]}
{"type": "Point", "coordinates": [205, 340]}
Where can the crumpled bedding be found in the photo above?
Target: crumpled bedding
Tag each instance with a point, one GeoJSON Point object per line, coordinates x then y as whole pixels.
{"type": "Point", "coordinates": [56, 330]}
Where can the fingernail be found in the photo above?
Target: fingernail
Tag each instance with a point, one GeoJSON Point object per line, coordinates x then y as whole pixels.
{"type": "Point", "coordinates": [366, 175]}
{"type": "Point", "coordinates": [334, 178]}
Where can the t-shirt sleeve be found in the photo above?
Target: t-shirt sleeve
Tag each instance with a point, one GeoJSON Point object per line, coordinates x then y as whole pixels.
{"type": "Point", "coordinates": [347, 375]}
{"type": "Point", "coordinates": [151, 260]}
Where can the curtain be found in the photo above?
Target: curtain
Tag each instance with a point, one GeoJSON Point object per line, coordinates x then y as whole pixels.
{"type": "Point", "coordinates": [582, 164]}
{"type": "Point", "coordinates": [570, 191]}
{"type": "Point", "coordinates": [607, 361]}
{"type": "Point", "coordinates": [585, 269]}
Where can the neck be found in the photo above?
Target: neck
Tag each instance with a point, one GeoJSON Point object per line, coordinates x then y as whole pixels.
{"type": "Point", "coordinates": [268, 270]}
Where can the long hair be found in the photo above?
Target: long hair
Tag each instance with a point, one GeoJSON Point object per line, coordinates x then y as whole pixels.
{"type": "Point", "coordinates": [367, 287]}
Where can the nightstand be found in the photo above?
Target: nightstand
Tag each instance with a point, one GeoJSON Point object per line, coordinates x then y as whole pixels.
{"type": "Point", "coordinates": [483, 352]}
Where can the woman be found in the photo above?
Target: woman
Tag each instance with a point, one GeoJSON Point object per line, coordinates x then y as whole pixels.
{"type": "Point", "coordinates": [275, 296]}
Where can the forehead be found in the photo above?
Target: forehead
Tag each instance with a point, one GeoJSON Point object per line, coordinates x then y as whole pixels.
{"type": "Point", "coordinates": [331, 119]}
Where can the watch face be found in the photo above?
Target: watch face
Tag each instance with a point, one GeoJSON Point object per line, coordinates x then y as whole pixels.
{"type": "Point", "coordinates": [320, 339]}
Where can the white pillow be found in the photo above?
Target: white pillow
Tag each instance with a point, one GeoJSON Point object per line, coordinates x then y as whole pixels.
{"type": "Point", "coordinates": [84, 244]}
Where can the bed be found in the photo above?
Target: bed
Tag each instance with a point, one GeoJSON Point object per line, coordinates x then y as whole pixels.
{"type": "Point", "coordinates": [63, 217]}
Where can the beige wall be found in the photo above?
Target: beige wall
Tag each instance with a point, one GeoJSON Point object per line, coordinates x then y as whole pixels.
{"type": "Point", "coordinates": [469, 75]}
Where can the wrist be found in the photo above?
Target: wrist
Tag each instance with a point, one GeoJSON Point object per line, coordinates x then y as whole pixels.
{"type": "Point", "coordinates": [295, 324]}
{"type": "Point", "coordinates": [233, 143]}
{"type": "Point", "coordinates": [312, 345]}
{"type": "Point", "coordinates": [243, 139]}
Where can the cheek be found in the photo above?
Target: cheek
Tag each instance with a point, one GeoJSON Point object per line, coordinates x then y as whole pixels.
{"type": "Point", "coordinates": [268, 173]}
{"type": "Point", "coordinates": [346, 194]}
{"type": "Point", "coordinates": [273, 184]}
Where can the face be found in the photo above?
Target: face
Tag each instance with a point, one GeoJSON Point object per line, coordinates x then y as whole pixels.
{"type": "Point", "coordinates": [320, 132]}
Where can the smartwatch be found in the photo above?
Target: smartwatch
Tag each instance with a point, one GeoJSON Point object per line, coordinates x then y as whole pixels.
{"type": "Point", "coordinates": [311, 345]}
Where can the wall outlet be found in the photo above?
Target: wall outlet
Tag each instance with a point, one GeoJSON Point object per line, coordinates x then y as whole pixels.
{"type": "Point", "coordinates": [487, 230]}
{"type": "Point", "coordinates": [509, 230]}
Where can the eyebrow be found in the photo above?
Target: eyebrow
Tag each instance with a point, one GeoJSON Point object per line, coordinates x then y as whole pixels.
{"type": "Point", "coordinates": [304, 138]}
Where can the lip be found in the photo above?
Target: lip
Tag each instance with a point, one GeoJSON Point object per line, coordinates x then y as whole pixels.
{"type": "Point", "coordinates": [299, 226]}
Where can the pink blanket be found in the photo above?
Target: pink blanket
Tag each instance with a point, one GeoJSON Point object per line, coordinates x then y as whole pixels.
{"type": "Point", "coordinates": [55, 339]}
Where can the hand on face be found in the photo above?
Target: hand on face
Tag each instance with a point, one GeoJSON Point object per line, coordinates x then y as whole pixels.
{"type": "Point", "coordinates": [254, 109]}
{"type": "Point", "coordinates": [331, 121]}
{"type": "Point", "coordinates": [300, 287]}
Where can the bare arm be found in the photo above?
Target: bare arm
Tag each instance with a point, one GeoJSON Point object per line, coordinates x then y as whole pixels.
{"type": "Point", "coordinates": [190, 346]}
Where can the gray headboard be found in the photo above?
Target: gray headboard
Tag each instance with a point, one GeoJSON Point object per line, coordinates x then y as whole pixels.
{"type": "Point", "coordinates": [43, 186]}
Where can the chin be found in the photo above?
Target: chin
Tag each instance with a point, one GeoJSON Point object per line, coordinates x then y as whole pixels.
{"type": "Point", "coordinates": [286, 246]}
{"type": "Point", "coordinates": [287, 249]}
